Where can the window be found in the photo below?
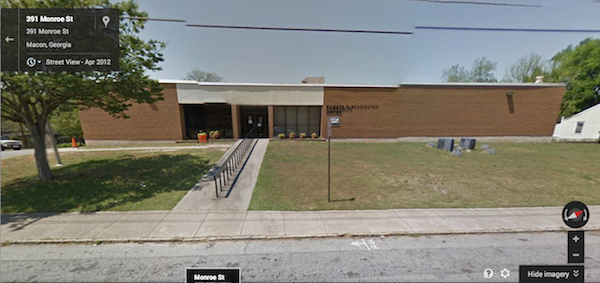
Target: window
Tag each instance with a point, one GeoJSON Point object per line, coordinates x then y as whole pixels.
{"type": "Point", "coordinates": [303, 119]}
{"type": "Point", "coordinates": [579, 127]}
{"type": "Point", "coordinates": [208, 117]}
{"type": "Point", "coordinates": [279, 121]}
{"type": "Point", "coordinates": [291, 121]}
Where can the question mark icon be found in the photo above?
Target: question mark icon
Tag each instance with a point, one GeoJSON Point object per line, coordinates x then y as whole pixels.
{"type": "Point", "coordinates": [488, 273]}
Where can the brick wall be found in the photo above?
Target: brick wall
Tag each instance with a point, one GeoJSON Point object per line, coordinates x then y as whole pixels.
{"type": "Point", "coordinates": [446, 111]}
{"type": "Point", "coordinates": [159, 121]}
{"type": "Point", "coordinates": [408, 111]}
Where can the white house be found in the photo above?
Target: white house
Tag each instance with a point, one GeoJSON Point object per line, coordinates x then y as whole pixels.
{"type": "Point", "coordinates": [583, 126]}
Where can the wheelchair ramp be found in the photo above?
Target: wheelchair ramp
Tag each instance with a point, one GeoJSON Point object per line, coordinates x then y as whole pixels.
{"type": "Point", "coordinates": [236, 193]}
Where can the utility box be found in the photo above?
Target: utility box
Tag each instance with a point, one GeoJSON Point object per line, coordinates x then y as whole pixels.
{"type": "Point", "coordinates": [445, 144]}
{"type": "Point", "coordinates": [467, 143]}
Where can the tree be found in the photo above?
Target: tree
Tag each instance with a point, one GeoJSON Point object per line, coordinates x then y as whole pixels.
{"type": "Point", "coordinates": [456, 73]}
{"type": "Point", "coordinates": [9, 126]}
{"type": "Point", "coordinates": [31, 98]}
{"type": "Point", "coordinates": [482, 71]}
{"type": "Point", "coordinates": [14, 131]}
{"type": "Point", "coordinates": [579, 67]}
{"type": "Point", "coordinates": [66, 122]}
{"type": "Point", "coordinates": [202, 76]}
{"type": "Point", "coordinates": [526, 69]}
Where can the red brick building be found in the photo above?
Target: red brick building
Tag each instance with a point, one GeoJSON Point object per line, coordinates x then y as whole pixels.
{"type": "Point", "coordinates": [366, 111]}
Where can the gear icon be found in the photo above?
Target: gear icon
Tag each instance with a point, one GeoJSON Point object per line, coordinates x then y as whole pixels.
{"type": "Point", "coordinates": [505, 273]}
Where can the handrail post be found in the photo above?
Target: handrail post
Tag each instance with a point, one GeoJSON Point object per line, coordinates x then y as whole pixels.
{"type": "Point", "coordinates": [216, 188]}
{"type": "Point", "coordinates": [227, 169]}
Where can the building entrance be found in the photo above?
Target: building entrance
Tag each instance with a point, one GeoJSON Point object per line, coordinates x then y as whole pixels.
{"type": "Point", "coordinates": [254, 118]}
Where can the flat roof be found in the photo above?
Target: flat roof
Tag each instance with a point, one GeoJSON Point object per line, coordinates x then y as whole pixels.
{"type": "Point", "coordinates": [358, 85]}
{"type": "Point", "coordinates": [478, 84]}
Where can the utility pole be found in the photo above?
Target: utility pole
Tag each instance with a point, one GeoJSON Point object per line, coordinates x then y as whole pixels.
{"type": "Point", "coordinates": [329, 164]}
{"type": "Point", "coordinates": [50, 131]}
{"type": "Point", "coordinates": [331, 122]}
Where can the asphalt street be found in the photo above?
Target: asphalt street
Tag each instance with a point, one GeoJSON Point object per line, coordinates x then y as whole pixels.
{"type": "Point", "coordinates": [12, 153]}
{"type": "Point", "coordinates": [437, 258]}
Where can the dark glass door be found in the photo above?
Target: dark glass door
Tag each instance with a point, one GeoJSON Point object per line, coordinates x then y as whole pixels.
{"type": "Point", "coordinates": [255, 119]}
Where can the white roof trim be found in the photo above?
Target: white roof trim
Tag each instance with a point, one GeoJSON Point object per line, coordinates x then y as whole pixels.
{"type": "Point", "coordinates": [288, 85]}
{"type": "Point", "coordinates": [272, 84]}
{"type": "Point", "coordinates": [255, 84]}
{"type": "Point", "coordinates": [583, 112]}
{"type": "Point", "coordinates": [479, 84]}
{"type": "Point", "coordinates": [177, 82]}
{"type": "Point", "coordinates": [360, 85]}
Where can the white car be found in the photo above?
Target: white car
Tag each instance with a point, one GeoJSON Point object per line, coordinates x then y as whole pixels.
{"type": "Point", "coordinates": [14, 144]}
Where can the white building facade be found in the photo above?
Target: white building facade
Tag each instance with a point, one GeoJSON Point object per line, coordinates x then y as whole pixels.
{"type": "Point", "coordinates": [583, 126]}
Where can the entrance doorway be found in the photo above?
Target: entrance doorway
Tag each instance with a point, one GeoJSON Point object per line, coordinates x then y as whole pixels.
{"type": "Point", "coordinates": [254, 118]}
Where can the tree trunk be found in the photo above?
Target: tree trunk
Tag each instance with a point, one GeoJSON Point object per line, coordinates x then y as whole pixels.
{"type": "Point", "coordinates": [38, 133]}
{"type": "Point", "coordinates": [50, 131]}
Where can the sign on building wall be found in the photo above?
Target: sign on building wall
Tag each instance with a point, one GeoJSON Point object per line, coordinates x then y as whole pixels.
{"type": "Point", "coordinates": [335, 121]}
{"type": "Point", "coordinates": [339, 109]}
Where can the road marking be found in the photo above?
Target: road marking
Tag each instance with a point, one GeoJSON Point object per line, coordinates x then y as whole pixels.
{"type": "Point", "coordinates": [372, 244]}
{"type": "Point", "coordinates": [369, 244]}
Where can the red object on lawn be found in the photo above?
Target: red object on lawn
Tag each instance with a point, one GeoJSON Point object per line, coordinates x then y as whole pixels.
{"type": "Point", "coordinates": [73, 142]}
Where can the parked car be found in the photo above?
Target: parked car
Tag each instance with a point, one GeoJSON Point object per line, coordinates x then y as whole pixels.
{"type": "Point", "coordinates": [14, 144]}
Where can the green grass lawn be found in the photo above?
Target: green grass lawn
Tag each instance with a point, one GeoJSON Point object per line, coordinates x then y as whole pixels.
{"type": "Point", "coordinates": [93, 181]}
{"type": "Point", "coordinates": [409, 175]}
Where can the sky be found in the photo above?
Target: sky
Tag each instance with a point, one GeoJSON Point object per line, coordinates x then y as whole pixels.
{"type": "Point", "coordinates": [265, 56]}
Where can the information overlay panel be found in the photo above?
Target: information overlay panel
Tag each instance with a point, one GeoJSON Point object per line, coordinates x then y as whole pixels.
{"type": "Point", "coordinates": [551, 273]}
{"type": "Point", "coordinates": [55, 40]}
{"type": "Point", "coordinates": [213, 275]}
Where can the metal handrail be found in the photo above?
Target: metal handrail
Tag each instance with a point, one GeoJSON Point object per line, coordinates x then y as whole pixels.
{"type": "Point", "coordinates": [229, 165]}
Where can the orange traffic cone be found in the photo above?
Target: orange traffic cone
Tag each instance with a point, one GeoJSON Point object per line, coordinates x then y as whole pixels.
{"type": "Point", "coordinates": [73, 142]}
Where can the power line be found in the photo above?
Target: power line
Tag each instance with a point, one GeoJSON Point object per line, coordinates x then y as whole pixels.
{"type": "Point", "coordinates": [507, 29]}
{"type": "Point", "coordinates": [372, 31]}
{"type": "Point", "coordinates": [476, 3]}
{"type": "Point", "coordinates": [301, 29]}
{"type": "Point", "coordinates": [428, 1]}
{"type": "Point", "coordinates": [152, 19]}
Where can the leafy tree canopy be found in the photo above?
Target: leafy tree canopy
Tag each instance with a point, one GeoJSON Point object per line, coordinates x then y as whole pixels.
{"type": "Point", "coordinates": [579, 67]}
{"type": "Point", "coordinates": [481, 71]}
{"type": "Point", "coordinates": [526, 69]}
{"type": "Point", "coordinates": [65, 122]}
{"type": "Point", "coordinates": [202, 76]}
{"type": "Point", "coordinates": [31, 98]}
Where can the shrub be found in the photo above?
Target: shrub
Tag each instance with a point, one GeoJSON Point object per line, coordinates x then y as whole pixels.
{"type": "Point", "coordinates": [64, 144]}
{"type": "Point", "coordinates": [292, 135]}
{"type": "Point", "coordinates": [302, 135]}
{"type": "Point", "coordinates": [314, 135]}
{"type": "Point", "coordinates": [281, 136]}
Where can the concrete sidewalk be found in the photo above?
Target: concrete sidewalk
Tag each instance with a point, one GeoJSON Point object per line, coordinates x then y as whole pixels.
{"type": "Point", "coordinates": [212, 225]}
{"type": "Point", "coordinates": [13, 153]}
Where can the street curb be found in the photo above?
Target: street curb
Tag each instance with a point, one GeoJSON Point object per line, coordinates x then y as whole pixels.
{"type": "Point", "coordinates": [273, 237]}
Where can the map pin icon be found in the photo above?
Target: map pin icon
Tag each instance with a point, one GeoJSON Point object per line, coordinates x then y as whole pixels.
{"type": "Point", "coordinates": [106, 20]}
